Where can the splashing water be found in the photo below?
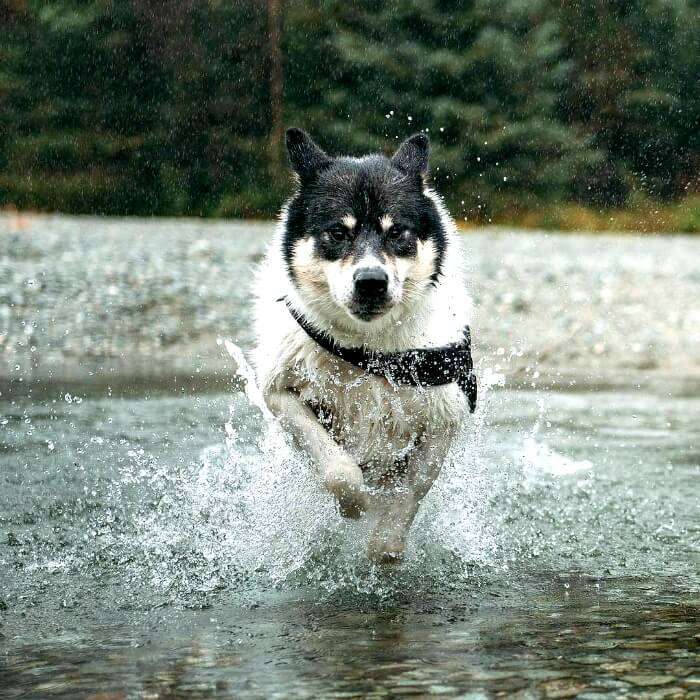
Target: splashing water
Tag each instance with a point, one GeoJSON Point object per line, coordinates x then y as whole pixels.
{"type": "Point", "coordinates": [245, 513]}
{"type": "Point", "coordinates": [252, 512]}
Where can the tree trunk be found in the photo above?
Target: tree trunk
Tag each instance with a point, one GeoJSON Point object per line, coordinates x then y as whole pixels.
{"type": "Point", "coordinates": [274, 19]}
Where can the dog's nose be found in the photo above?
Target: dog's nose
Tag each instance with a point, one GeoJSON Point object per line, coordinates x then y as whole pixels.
{"type": "Point", "coordinates": [371, 282]}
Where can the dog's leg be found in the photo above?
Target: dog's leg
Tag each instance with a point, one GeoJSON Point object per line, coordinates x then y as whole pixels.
{"type": "Point", "coordinates": [388, 539]}
{"type": "Point", "coordinates": [341, 476]}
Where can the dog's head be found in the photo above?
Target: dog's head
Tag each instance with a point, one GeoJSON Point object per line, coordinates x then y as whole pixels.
{"type": "Point", "coordinates": [362, 237]}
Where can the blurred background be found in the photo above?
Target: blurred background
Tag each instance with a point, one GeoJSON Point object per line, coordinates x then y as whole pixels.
{"type": "Point", "coordinates": [542, 113]}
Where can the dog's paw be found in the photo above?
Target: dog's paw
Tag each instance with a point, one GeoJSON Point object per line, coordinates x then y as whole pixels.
{"type": "Point", "coordinates": [388, 558]}
{"type": "Point", "coordinates": [352, 507]}
{"type": "Point", "coordinates": [347, 485]}
{"type": "Point", "coordinates": [386, 551]}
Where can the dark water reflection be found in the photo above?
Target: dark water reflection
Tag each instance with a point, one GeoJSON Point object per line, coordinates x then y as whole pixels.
{"type": "Point", "coordinates": [619, 637]}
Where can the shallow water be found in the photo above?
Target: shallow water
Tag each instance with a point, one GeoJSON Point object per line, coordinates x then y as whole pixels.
{"type": "Point", "coordinates": [172, 546]}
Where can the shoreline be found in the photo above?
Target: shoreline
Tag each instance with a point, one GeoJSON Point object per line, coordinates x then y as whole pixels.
{"type": "Point", "coordinates": [112, 301]}
{"type": "Point", "coordinates": [584, 222]}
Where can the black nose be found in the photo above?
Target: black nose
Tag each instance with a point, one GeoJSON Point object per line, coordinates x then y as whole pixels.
{"type": "Point", "coordinates": [371, 282]}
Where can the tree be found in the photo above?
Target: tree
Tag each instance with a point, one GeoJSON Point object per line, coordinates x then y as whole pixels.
{"type": "Point", "coordinates": [129, 107]}
{"type": "Point", "coordinates": [481, 76]}
{"type": "Point", "coordinates": [635, 88]}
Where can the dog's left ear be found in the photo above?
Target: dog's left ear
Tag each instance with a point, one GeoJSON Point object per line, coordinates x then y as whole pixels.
{"type": "Point", "coordinates": [412, 156]}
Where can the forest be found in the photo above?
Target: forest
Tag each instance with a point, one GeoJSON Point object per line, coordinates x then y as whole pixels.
{"type": "Point", "coordinates": [534, 107]}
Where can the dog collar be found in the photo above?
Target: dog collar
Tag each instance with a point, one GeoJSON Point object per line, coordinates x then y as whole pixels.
{"type": "Point", "coordinates": [420, 367]}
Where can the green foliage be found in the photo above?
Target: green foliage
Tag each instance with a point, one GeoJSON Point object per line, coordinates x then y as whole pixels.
{"type": "Point", "coordinates": [126, 107]}
{"type": "Point", "coordinates": [481, 77]}
{"type": "Point", "coordinates": [635, 89]}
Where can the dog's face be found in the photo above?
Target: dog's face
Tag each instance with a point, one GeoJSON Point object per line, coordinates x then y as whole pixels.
{"type": "Point", "coordinates": [362, 237]}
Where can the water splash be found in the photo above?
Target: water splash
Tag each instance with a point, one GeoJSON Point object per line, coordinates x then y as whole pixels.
{"type": "Point", "coordinates": [540, 458]}
{"type": "Point", "coordinates": [249, 515]}
{"type": "Point", "coordinates": [252, 513]}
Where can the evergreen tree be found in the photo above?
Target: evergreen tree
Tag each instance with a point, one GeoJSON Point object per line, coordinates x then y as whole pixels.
{"type": "Point", "coordinates": [481, 76]}
{"type": "Point", "coordinates": [82, 109]}
{"type": "Point", "coordinates": [635, 89]}
{"type": "Point", "coordinates": [136, 107]}
{"type": "Point", "coordinates": [122, 108]}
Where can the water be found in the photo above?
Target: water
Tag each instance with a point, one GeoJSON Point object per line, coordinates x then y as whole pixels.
{"type": "Point", "coordinates": [158, 538]}
{"type": "Point", "coordinates": [150, 546]}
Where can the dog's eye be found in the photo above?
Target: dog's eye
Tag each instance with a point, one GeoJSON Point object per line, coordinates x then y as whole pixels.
{"type": "Point", "coordinates": [337, 235]}
{"type": "Point", "coordinates": [399, 233]}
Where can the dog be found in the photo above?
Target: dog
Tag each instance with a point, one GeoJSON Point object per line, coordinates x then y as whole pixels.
{"type": "Point", "coordinates": [360, 315]}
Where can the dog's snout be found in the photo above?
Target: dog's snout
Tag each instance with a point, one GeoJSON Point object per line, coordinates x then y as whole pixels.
{"type": "Point", "coordinates": [371, 282]}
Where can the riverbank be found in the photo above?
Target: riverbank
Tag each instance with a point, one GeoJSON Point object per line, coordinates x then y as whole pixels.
{"type": "Point", "coordinates": [118, 301]}
{"type": "Point", "coordinates": [645, 216]}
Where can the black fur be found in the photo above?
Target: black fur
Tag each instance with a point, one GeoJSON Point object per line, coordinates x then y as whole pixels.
{"type": "Point", "coordinates": [413, 154]}
{"type": "Point", "coordinates": [305, 156]}
{"type": "Point", "coordinates": [368, 188]}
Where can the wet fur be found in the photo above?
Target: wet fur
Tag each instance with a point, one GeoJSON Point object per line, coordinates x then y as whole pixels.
{"type": "Point", "coordinates": [358, 429]}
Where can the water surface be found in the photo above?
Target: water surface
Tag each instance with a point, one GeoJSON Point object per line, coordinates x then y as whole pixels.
{"type": "Point", "coordinates": [166, 546]}
{"type": "Point", "coordinates": [158, 539]}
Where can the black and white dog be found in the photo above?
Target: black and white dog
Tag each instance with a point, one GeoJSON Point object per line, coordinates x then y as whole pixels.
{"type": "Point", "coordinates": [361, 311]}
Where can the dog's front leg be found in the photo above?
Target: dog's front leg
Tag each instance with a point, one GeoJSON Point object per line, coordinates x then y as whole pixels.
{"type": "Point", "coordinates": [388, 539]}
{"type": "Point", "coordinates": [341, 476]}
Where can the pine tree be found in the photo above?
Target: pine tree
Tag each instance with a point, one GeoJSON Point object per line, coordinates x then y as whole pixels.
{"type": "Point", "coordinates": [635, 88]}
{"type": "Point", "coordinates": [129, 107]}
{"type": "Point", "coordinates": [122, 108]}
{"type": "Point", "coordinates": [481, 76]}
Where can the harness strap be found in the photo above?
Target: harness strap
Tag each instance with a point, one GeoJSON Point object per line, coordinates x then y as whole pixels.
{"type": "Point", "coordinates": [420, 367]}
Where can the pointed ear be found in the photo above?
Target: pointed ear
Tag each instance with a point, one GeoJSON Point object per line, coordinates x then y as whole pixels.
{"type": "Point", "coordinates": [305, 156]}
{"type": "Point", "coordinates": [412, 156]}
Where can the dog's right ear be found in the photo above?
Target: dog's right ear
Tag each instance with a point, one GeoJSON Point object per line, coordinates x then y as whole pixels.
{"type": "Point", "coordinates": [305, 156]}
{"type": "Point", "coordinates": [412, 156]}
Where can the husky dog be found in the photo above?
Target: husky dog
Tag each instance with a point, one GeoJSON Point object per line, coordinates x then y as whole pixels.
{"type": "Point", "coordinates": [360, 306]}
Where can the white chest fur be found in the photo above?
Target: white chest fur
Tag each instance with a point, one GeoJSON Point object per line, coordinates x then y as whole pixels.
{"type": "Point", "coordinates": [376, 422]}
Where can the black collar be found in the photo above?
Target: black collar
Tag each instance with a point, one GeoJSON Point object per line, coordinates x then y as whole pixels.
{"type": "Point", "coordinates": [421, 367]}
